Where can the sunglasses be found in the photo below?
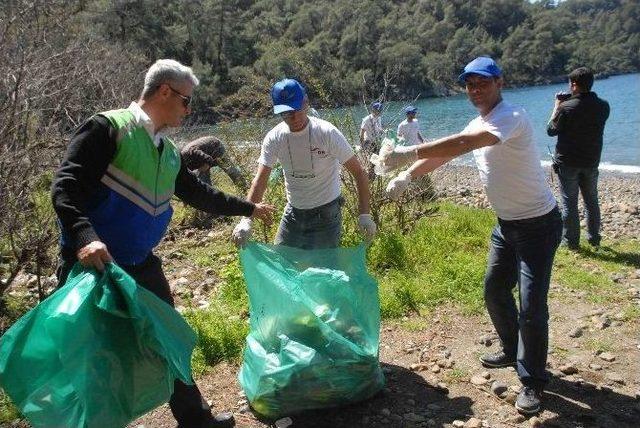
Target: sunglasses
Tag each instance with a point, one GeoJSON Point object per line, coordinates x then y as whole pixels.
{"type": "Point", "coordinates": [186, 101]}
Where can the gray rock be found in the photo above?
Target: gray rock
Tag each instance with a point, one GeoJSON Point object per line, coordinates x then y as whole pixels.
{"type": "Point", "coordinates": [385, 412]}
{"type": "Point", "coordinates": [473, 423]}
{"type": "Point", "coordinates": [535, 422]}
{"type": "Point", "coordinates": [411, 402]}
{"type": "Point", "coordinates": [435, 369]}
{"type": "Point", "coordinates": [395, 418]}
{"type": "Point", "coordinates": [576, 332]}
{"type": "Point", "coordinates": [517, 419]}
{"type": "Point", "coordinates": [603, 322]}
{"type": "Point", "coordinates": [568, 369]}
{"type": "Point", "coordinates": [284, 422]}
{"type": "Point", "coordinates": [511, 397]}
{"type": "Point", "coordinates": [615, 377]}
{"type": "Point", "coordinates": [486, 375]}
{"type": "Point", "coordinates": [595, 367]}
{"type": "Point", "coordinates": [478, 380]}
{"type": "Point", "coordinates": [442, 387]}
{"type": "Point", "coordinates": [413, 417]}
{"type": "Point", "coordinates": [608, 356]}
{"type": "Point", "coordinates": [458, 423]}
{"type": "Point", "coordinates": [431, 422]}
{"type": "Point", "coordinates": [499, 388]}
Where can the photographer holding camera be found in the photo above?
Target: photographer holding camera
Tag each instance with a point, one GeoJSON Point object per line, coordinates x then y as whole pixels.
{"type": "Point", "coordinates": [578, 120]}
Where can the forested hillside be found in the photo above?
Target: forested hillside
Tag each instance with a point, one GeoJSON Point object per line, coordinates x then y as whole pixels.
{"type": "Point", "coordinates": [341, 47]}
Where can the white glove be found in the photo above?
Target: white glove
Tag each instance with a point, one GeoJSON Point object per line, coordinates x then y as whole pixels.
{"type": "Point", "coordinates": [398, 185]}
{"type": "Point", "coordinates": [367, 226]}
{"type": "Point", "coordinates": [242, 232]}
{"type": "Point", "coordinates": [400, 156]}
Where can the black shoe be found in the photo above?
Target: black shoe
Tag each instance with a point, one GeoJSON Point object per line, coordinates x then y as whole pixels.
{"type": "Point", "coordinates": [497, 360]}
{"type": "Point", "coordinates": [223, 420]}
{"type": "Point", "coordinates": [528, 401]}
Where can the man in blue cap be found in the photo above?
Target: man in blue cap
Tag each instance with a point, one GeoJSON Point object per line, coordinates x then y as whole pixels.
{"type": "Point", "coordinates": [525, 239]}
{"type": "Point", "coordinates": [409, 129]}
{"type": "Point", "coordinates": [312, 152]}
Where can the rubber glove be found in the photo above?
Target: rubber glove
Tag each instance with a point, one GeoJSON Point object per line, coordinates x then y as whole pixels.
{"type": "Point", "coordinates": [398, 185]}
{"type": "Point", "coordinates": [400, 156]}
{"type": "Point", "coordinates": [242, 232]}
{"type": "Point", "coordinates": [367, 226]}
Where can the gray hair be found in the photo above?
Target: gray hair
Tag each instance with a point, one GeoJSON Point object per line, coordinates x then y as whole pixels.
{"type": "Point", "coordinates": [166, 71]}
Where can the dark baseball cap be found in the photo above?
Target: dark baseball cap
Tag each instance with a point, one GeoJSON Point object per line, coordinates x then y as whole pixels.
{"type": "Point", "coordinates": [483, 66]}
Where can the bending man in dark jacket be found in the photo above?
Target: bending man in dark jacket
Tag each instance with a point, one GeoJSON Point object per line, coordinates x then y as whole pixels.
{"type": "Point", "coordinates": [112, 196]}
{"type": "Point", "coordinates": [579, 124]}
{"type": "Point", "coordinates": [204, 153]}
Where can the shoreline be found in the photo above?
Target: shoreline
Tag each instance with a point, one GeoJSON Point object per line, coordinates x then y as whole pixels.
{"type": "Point", "coordinates": [618, 192]}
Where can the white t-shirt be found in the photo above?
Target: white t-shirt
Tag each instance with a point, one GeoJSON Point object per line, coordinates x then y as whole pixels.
{"type": "Point", "coordinates": [311, 160]}
{"type": "Point", "coordinates": [372, 126]}
{"type": "Point", "coordinates": [510, 169]}
{"type": "Point", "coordinates": [409, 131]}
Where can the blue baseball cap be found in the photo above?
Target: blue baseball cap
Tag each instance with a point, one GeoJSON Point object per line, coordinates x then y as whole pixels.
{"type": "Point", "coordinates": [410, 110]}
{"type": "Point", "coordinates": [484, 66]}
{"type": "Point", "coordinates": [376, 106]}
{"type": "Point", "coordinates": [287, 95]}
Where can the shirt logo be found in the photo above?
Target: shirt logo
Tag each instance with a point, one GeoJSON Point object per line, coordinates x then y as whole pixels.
{"type": "Point", "coordinates": [318, 151]}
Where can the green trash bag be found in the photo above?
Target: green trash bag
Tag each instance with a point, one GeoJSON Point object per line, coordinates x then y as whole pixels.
{"type": "Point", "coordinates": [315, 326]}
{"type": "Point", "coordinates": [99, 352]}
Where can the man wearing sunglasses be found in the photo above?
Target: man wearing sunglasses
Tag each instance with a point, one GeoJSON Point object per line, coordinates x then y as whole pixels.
{"type": "Point", "coordinates": [524, 242]}
{"type": "Point", "coordinates": [312, 152]}
{"type": "Point", "coordinates": [112, 196]}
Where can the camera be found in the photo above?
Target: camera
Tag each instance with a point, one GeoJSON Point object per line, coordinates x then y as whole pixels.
{"type": "Point", "coordinates": [563, 96]}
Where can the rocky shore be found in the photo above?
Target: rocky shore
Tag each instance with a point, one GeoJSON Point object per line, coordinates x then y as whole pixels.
{"type": "Point", "coordinates": [619, 195]}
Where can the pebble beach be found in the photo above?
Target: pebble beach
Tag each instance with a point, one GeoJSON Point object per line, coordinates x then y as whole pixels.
{"type": "Point", "coordinates": [619, 195]}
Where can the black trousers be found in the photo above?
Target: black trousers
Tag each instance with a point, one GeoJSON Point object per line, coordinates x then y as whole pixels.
{"type": "Point", "coordinates": [187, 404]}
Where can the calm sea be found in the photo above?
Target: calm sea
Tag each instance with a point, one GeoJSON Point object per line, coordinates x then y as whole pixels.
{"type": "Point", "coordinates": [439, 117]}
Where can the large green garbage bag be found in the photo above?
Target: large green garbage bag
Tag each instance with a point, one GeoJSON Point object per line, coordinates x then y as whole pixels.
{"type": "Point", "coordinates": [99, 352]}
{"type": "Point", "coordinates": [315, 326]}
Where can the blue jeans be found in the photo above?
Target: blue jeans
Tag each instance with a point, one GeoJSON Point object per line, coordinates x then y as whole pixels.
{"type": "Point", "coordinates": [312, 228]}
{"type": "Point", "coordinates": [583, 180]}
{"type": "Point", "coordinates": [522, 252]}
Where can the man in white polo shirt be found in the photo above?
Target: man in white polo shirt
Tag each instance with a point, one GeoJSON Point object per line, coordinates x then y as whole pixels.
{"type": "Point", "coordinates": [524, 242]}
{"type": "Point", "coordinates": [312, 152]}
{"type": "Point", "coordinates": [409, 129]}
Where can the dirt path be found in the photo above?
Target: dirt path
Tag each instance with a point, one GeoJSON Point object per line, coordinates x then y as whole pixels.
{"type": "Point", "coordinates": [434, 378]}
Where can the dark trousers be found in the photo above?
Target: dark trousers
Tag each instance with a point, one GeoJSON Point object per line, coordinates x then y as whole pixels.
{"type": "Point", "coordinates": [522, 252]}
{"type": "Point", "coordinates": [573, 181]}
{"type": "Point", "coordinates": [187, 404]}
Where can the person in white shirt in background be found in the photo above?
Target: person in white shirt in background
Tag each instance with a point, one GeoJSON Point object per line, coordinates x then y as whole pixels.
{"type": "Point", "coordinates": [312, 152]}
{"type": "Point", "coordinates": [524, 242]}
{"type": "Point", "coordinates": [371, 134]}
{"type": "Point", "coordinates": [409, 129]}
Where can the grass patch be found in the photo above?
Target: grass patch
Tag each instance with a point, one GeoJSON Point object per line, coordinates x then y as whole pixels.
{"type": "Point", "coordinates": [8, 412]}
{"type": "Point", "coordinates": [413, 324]}
{"type": "Point", "coordinates": [442, 261]}
{"type": "Point", "coordinates": [598, 345]}
{"type": "Point", "coordinates": [456, 375]}
{"type": "Point", "coordinates": [220, 334]}
{"type": "Point", "coordinates": [631, 312]}
{"type": "Point", "coordinates": [559, 351]}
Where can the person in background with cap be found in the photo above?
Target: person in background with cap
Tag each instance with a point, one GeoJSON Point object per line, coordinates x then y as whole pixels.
{"type": "Point", "coordinates": [409, 129]}
{"type": "Point", "coordinates": [528, 232]}
{"type": "Point", "coordinates": [311, 152]}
